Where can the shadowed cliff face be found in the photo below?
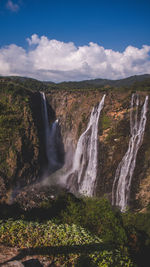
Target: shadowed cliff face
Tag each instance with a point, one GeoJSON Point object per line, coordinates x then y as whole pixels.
{"type": "Point", "coordinates": [21, 153]}
{"type": "Point", "coordinates": [22, 145]}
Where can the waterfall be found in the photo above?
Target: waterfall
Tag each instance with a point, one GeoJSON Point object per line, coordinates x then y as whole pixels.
{"type": "Point", "coordinates": [124, 172]}
{"type": "Point", "coordinates": [51, 134]}
{"type": "Point", "coordinates": [82, 177]}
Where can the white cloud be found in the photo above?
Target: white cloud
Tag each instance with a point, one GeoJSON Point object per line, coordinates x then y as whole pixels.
{"type": "Point", "coordinates": [33, 40]}
{"type": "Point", "coordinates": [12, 6]}
{"type": "Point", "coordinates": [58, 61]}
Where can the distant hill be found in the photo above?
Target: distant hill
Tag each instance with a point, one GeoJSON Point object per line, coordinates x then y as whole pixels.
{"type": "Point", "coordinates": [127, 82]}
{"type": "Point", "coordinates": [28, 83]}
{"type": "Point", "coordinates": [137, 81]}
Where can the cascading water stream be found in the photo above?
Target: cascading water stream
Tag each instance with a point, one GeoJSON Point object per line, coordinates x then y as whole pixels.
{"type": "Point", "coordinates": [50, 139]}
{"type": "Point", "coordinates": [84, 171]}
{"type": "Point", "coordinates": [124, 172]}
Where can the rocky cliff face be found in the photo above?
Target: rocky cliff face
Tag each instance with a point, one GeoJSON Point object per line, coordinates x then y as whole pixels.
{"type": "Point", "coordinates": [73, 110]}
{"type": "Point", "coordinates": [22, 147]}
{"type": "Point", "coordinates": [20, 138]}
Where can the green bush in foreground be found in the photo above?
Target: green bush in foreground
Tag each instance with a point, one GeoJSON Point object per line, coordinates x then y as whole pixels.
{"type": "Point", "coordinates": [72, 240]}
{"type": "Point", "coordinates": [97, 216]}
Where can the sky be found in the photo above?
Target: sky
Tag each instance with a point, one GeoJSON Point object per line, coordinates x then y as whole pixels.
{"type": "Point", "coordinates": [63, 40]}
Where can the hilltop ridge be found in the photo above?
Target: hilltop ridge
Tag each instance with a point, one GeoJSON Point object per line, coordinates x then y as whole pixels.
{"type": "Point", "coordinates": [34, 84]}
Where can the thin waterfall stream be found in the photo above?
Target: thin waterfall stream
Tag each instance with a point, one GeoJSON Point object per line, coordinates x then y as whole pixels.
{"type": "Point", "coordinates": [50, 139]}
{"type": "Point", "coordinates": [124, 173]}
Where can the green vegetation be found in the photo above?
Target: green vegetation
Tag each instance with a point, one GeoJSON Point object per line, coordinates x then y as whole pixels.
{"type": "Point", "coordinates": [141, 85]}
{"type": "Point", "coordinates": [106, 122]}
{"type": "Point", "coordinates": [35, 234]}
{"type": "Point", "coordinates": [139, 82]}
{"type": "Point", "coordinates": [84, 231]}
{"type": "Point", "coordinates": [16, 136]}
{"type": "Point", "coordinates": [105, 85]}
{"type": "Point", "coordinates": [80, 231]}
{"type": "Point", "coordinates": [70, 240]}
{"type": "Point", "coordinates": [12, 101]}
{"type": "Point", "coordinates": [11, 122]}
{"type": "Point", "coordinates": [97, 216]}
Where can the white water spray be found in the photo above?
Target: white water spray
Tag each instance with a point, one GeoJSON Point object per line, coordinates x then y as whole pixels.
{"type": "Point", "coordinates": [84, 171]}
{"type": "Point", "coordinates": [124, 172]}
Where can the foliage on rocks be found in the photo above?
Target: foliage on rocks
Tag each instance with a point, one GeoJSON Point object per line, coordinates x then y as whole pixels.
{"type": "Point", "coordinates": [62, 239]}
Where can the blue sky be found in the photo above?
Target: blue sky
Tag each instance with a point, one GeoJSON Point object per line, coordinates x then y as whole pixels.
{"type": "Point", "coordinates": [111, 24]}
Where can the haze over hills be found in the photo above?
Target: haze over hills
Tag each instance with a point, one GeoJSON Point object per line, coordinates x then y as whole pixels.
{"type": "Point", "coordinates": [142, 80]}
{"type": "Point", "coordinates": [114, 83]}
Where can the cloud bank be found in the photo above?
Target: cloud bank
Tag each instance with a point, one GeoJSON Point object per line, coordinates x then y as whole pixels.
{"type": "Point", "coordinates": [52, 60]}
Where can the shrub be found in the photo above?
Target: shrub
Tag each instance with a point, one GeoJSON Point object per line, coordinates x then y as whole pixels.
{"type": "Point", "coordinates": [97, 216]}
{"type": "Point", "coordinates": [106, 122]}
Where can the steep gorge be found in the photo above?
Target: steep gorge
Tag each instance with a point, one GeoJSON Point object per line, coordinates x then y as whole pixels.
{"type": "Point", "coordinates": [73, 111]}
{"type": "Point", "coordinates": [22, 144]}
